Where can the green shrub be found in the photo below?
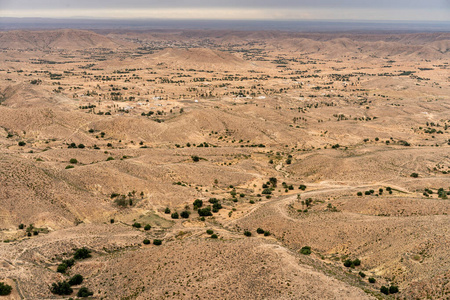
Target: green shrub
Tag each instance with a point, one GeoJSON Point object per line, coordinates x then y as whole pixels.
{"type": "Point", "coordinates": [146, 242]}
{"type": "Point", "coordinates": [157, 242]}
{"type": "Point", "coordinates": [22, 143]}
{"type": "Point", "coordinates": [82, 253]}
{"type": "Point", "coordinates": [62, 268]}
{"type": "Point", "coordinates": [195, 158]}
{"type": "Point", "coordinates": [393, 289]}
{"type": "Point", "coordinates": [136, 225]}
{"type": "Point", "coordinates": [197, 204]}
{"type": "Point", "coordinates": [69, 167]}
{"type": "Point", "coordinates": [21, 226]}
{"type": "Point", "coordinates": [414, 175]}
{"type": "Point", "coordinates": [306, 250]}
{"type": "Point", "coordinates": [69, 262]}
{"type": "Point", "coordinates": [205, 212]}
{"type": "Point", "coordinates": [209, 231]}
{"type": "Point", "coordinates": [184, 214]}
{"type": "Point", "coordinates": [260, 231]}
{"type": "Point", "coordinates": [76, 279]}
{"type": "Point", "coordinates": [167, 211]}
{"type": "Point", "coordinates": [362, 274]}
{"type": "Point", "coordinates": [110, 158]}
{"type": "Point", "coordinates": [247, 233]}
{"type": "Point", "coordinates": [357, 262]}
{"type": "Point", "coordinates": [359, 194]}
{"type": "Point", "coordinates": [372, 280]}
{"type": "Point", "coordinates": [147, 227]}
{"type": "Point", "coordinates": [214, 236]}
{"type": "Point", "coordinates": [174, 215]}
{"type": "Point", "coordinates": [348, 263]}
{"type": "Point", "coordinates": [266, 233]}
{"type": "Point", "coordinates": [84, 292]}
{"type": "Point", "coordinates": [61, 288]}
{"type": "Point", "coordinates": [384, 290]}
{"type": "Point", "coordinates": [73, 161]}
{"type": "Point", "coordinates": [5, 289]}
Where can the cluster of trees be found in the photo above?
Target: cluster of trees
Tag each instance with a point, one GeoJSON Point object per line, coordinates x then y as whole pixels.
{"type": "Point", "coordinates": [391, 290]}
{"type": "Point", "coordinates": [352, 263]}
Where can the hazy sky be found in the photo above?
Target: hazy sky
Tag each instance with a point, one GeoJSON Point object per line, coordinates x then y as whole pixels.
{"type": "Point", "coordinates": [416, 10]}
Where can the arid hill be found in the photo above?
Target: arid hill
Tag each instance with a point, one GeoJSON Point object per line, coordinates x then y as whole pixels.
{"type": "Point", "coordinates": [56, 40]}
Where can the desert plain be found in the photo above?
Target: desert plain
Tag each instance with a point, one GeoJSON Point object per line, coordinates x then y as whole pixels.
{"type": "Point", "coordinates": [220, 164]}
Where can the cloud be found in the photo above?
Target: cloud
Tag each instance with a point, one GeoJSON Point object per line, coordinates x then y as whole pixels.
{"type": "Point", "coordinates": [232, 9]}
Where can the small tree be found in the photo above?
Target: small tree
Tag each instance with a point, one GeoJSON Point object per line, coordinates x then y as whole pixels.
{"type": "Point", "coordinates": [306, 250]}
{"type": "Point", "coordinates": [146, 242]}
{"type": "Point", "coordinates": [84, 292]}
{"type": "Point", "coordinates": [174, 215]}
{"type": "Point", "coordinates": [184, 214]}
{"type": "Point", "coordinates": [157, 242]}
{"type": "Point", "coordinates": [5, 289]}
{"type": "Point", "coordinates": [136, 225]}
{"type": "Point", "coordinates": [197, 204]}
{"type": "Point", "coordinates": [147, 227]}
{"type": "Point", "coordinates": [76, 279]}
{"type": "Point", "coordinates": [82, 253]}
{"type": "Point", "coordinates": [384, 290]}
{"type": "Point", "coordinates": [247, 233]}
{"type": "Point", "coordinates": [61, 288]}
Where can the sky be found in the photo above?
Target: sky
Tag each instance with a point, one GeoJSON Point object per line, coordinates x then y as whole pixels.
{"type": "Point", "coordinates": [359, 10]}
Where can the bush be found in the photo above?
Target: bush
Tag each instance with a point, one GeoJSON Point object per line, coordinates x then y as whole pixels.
{"type": "Point", "coordinates": [147, 227]}
{"type": "Point", "coordinates": [146, 242]}
{"type": "Point", "coordinates": [62, 268]}
{"type": "Point", "coordinates": [82, 253]}
{"type": "Point", "coordinates": [260, 231]}
{"type": "Point", "coordinates": [21, 226]}
{"type": "Point", "coordinates": [348, 263]}
{"type": "Point", "coordinates": [359, 194]}
{"type": "Point", "coordinates": [247, 233]}
{"type": "Point", "coordinates": [76, 279]}
{"type": "Point", "coordinates": [73, 161]}
{"type": "Point", "coordinates": [167, 211]}
{"type": "Point", "coordinates": [195, 158]}
{"type": "Point", "coordinates": [22, 143]}
{"type": "Point", "coordinates": [204, 212]}
{"type": "Point", "coordinates": [174, 215]}
{"type": "Point", "coordinates": [306, 250]}
{"type": "Point", "coordinates": [266, 192]}
{"type": "Point", "coordinates": [81, 146]}
{"type": "Point", "coordinates": [111, 221]}
{"type": "Point", "coordinates": [214, 236]}
{"type": "Point", "coordinates": [185, 214]}
{"type": "Point", "coordinates": [5, 289]}
{"type": "Point", "coordinates": [157, 242]}
{"type": "Point", "coordinates": [61, 288]}
{"type": "Point", "coordinates": [393, 289]}
{"type": "Point", "coordinates": [69, 262]}
{"type": "Point", "coordinates": [302, 187]}
{"type": "Point", "coordinates": [209, 231]}
{"type": "Point", "coordinates": [197, 204]}
{"type": "Point", "coordinates": [362, 274]}
{"type": "Point", "coordinates": [414, 175]}
{"type": "Point", "coordinates": [372, 280]}
{"type": "Point", "coordinates": [266, 233]}
{"type": "Point", "coordinates": [384, 290]}
{"type": "Point", "coordinates": [357, 262]}
{"type": "Point", "coordinates": [136, 225]}
{"type": "Point", "coordinates": [84, 292]}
